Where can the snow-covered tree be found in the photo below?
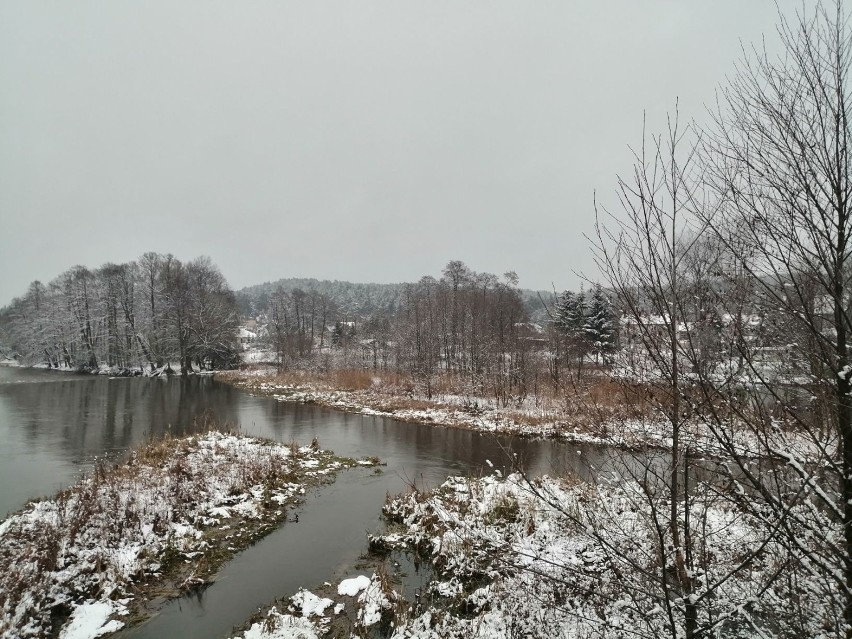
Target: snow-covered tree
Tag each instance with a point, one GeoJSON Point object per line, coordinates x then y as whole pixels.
{"type": "Point", "coordinates": [599, 324]}
{"type": "Point", "coordinates": [570, 319]}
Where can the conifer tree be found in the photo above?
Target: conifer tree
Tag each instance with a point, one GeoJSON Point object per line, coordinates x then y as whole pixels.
{"type": "Point", "coordinates": [599, 324]}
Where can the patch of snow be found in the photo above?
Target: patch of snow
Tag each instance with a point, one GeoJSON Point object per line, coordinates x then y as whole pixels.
{"type": "Point", "coordinates": [91, 620]}
{"type": "Point", "coordinates": [351, 587]}
{"type": "Point", "coordinates": [282, 626]}
{"type": "Point", "coordinates": [310, 604]}
{"type": "Point", "coordinates": [372, 603]}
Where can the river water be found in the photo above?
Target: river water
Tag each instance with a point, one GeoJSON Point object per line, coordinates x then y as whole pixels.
{"type": "Point", "coordinates": [53, 425]}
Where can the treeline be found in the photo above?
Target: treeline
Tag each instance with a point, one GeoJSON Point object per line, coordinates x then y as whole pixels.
{"type": "Point", "coordinates": [148, 313]}
{"type": "Point", "coordinates": [470, 324]}
{"type": "Point", "coordinates": [355, 299]}
{"type": "Point", "coordinates": [473, 327]}
{"type": "Point", "coordinates": [350, 298]}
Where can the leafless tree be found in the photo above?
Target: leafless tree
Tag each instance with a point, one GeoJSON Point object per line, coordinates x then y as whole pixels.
{"type": "Point", "coordinates": [779, 160]}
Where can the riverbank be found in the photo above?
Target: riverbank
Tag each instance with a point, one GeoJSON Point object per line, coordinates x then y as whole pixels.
{"type": "Point", "coordinates": [557, 557]}
{"type": "Point", "coordinates": [602, 412]}
{"type": "Point", "coordinates": [355, 607]}
{"type": "Point", "coordinates": [107, 551]}
{"type": "Point", "coordinates": [167, 370]}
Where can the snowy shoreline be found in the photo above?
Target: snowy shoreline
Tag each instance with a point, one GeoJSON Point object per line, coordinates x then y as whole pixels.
{"type": "Point", "coordinates": [581, 424]}
{"type": "Point", "coordinates": [555, 557]}
{"type": "Point", "coordinates": [559, 557]}
{"type": "Point", "coordinates": [167, 370]}
{"type": "Point", "coordinates": [99, 555]}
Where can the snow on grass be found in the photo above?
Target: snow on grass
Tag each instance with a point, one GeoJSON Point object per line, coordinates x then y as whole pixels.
{"type": "Point", "coordinates": [375, 602]}
{"type": "Point", "coordinates": [560, 558]}
{"type": "Point", "coordinates": [310, 604]}
{"type": "Point", "coordinates": [91, 620]}
{"type": "Point", "coordinates": [168, 517]}
{"type": "Point", "coordinates": [581, 420]}
{"type": "Point", "coordinates": [282, 626]}
{"type": "Point", "coordinates": [372, 612]}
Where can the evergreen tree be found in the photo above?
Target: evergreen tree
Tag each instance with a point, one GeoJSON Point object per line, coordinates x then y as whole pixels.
{"type": "Point", "coordinates": [575, 316]}
{"type": "Point", "coordinates": [570, 314]}
{"type": "Point", "coordinates": [599, 323]}
{"type": "Point", "coordinates": [570, 320]}
{"type": "Point", "coordinates": [337, 335]}
{"type": "Point", "coordinates": [561, 312]}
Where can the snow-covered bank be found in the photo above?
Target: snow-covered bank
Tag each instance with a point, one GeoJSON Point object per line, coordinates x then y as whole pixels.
{"type": "Point", "coordinates": [361, 605]}
{"type": "Point", "coordinates": [88, 560]}
{"type": "Point", "coordinates": [559, 558]}
{"type": "Point", "coordinates": [581, 420]}
{"type": "Point", "coordinates": [167, 370]}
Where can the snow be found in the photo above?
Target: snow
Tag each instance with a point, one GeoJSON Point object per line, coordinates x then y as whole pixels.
{"type": "Point", "coordinates": [573, 423]}
{"type": "Point", "coordinates": [91, 620]}
{"type": "Point", "coordinates": [372, 603]}
{"type": "Point", "coordinates": [282, 626]}
{"type": "Point", "coordinates": [112, 532]}
{"type": "Point", "coordinates": [310, 604]}
{"type": "Point", "coordinates": [309, 615]}
{"type": "Point", "coordinates": [351, 587]}
{"type": "Point", "coordinates": [576, 559]}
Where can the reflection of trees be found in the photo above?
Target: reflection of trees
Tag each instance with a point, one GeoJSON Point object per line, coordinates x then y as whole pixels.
{"type": "Point", "coordinates": [82, 418]}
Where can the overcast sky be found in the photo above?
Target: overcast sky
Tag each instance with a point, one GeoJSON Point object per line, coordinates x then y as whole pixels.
{"type": "Point", "coordinates": [363, 141]}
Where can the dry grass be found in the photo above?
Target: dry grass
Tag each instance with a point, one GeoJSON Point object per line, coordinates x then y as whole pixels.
{"type": "Point", "coordinates": [68, 547]}
{"type": "Point", "coordinates": [585, 407]}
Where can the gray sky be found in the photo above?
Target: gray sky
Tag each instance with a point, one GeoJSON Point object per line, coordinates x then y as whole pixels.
{"type": "Point", "coordinates": [364, 141]}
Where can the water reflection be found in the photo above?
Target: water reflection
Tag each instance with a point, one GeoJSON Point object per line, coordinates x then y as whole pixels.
{"type": "Point", "coordinates": [52, 425]}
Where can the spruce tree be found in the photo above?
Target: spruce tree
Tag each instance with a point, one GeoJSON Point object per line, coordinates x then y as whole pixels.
{"type": "Point", "coordinates": [599, 324]}
{"type": "Point", "coordinates": [575, 316]}
{"type": "Point", "coordinates": [562, 312]}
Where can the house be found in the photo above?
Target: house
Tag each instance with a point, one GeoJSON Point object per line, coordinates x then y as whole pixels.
{"type": "Point", "coordinates": [246, 336]}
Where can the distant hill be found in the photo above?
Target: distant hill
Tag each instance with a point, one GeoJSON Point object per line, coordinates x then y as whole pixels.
{"type": "Point", "coordinates": [358, 299]}
{"type": "Point", "coordinates": [351, 298]}
{"type": "Point", "coordinates": [533, 302]}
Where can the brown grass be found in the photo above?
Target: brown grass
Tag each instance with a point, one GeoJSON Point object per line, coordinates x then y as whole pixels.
{"type": "Point", "coordinates": [584, 406]}
{"type": "Point", "coordinates": [105, 504]}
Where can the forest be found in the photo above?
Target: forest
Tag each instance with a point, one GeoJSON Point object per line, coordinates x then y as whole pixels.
{"type": "Point", "coordinates": [147, 314]}
{"type": "Point", "coordinates": [477, 333]}
{"type": "Point", "coordinates": [473, 330]}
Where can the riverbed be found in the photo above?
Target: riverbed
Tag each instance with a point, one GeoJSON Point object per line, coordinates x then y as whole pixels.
{"type": "Point", "coordinates": [54, 425]}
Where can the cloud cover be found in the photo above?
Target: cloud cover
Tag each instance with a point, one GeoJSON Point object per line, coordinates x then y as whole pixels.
{"type": "Point", "coordinates": [368, 141]}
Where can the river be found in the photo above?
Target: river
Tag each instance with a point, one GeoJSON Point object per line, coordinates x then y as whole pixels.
{"type": "Point", "coordinates": [53, 425]}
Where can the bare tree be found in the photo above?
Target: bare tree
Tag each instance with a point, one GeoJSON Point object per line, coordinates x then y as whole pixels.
{"type": "Point", "coordinates": [779, 157]}
{"type": "Point", "coordinates": [641, 253]}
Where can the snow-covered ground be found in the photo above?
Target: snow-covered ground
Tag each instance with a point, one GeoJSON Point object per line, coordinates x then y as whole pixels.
{"type": "Point", "coordinates": [172, 368]}
{"type": "Point", "coordinates": [557, 558]}
{"type": "Point", "coordinates": [164, 519]}
{"type": "Point", "coordinates": [309, 616]}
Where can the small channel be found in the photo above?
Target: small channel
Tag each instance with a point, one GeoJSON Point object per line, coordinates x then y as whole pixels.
{"type": "Point", "coordinates": [53, 425]}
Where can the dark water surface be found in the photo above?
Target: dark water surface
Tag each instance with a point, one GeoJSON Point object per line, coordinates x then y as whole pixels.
{"type": "Point", "coordinates": [53, 425]}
